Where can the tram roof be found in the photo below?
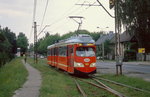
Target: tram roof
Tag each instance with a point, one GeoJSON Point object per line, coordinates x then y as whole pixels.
{"type": "Point", "coordinates": [80, 38]}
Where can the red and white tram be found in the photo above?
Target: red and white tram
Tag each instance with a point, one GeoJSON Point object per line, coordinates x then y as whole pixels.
{"type": "Point", "coordinates": [75, 55]}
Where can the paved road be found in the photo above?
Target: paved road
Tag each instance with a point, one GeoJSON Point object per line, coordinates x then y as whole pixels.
{"type": "Point", "coordinates": [32, 85]}
{"type": "Point", "coordinates": [136, 69]}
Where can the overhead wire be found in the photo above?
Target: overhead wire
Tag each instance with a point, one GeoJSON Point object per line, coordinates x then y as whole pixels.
{"type": "Point", "coordinates": [60, 19]}
{"type": "Point", "coordinates": [63, 16]}
{"type": "Point", "coordinates": [33, 18]}
{"type": "Point", "coordinates": [80, 11]}
{"type": "Point", "coordinates": [66, 14]}
{"type": "Point", "coordinates": [44, 14]}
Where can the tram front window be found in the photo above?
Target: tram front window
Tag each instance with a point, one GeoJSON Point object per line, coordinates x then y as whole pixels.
{"type": "Point", "coordinates": [85, 52]}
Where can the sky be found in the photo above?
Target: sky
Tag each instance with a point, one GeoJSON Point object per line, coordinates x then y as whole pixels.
{"type": "Point", "coordinates": [17, 15]}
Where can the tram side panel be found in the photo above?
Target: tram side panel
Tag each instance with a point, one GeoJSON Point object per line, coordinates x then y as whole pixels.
{"type": "Point", "coordinates": [70, 58]}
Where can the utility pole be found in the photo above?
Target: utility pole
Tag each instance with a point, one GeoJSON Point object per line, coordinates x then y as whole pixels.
{"type": "Point", "coordinates": [35, 43]}
{"type": "Point", "coordinates": [118, 57]}
{"type": "Point", "coordinates": [117, 40]}
{"type": "Point", "coordinates": [103, 50]}
{"type": "Point", "coordinates": [79, 22]}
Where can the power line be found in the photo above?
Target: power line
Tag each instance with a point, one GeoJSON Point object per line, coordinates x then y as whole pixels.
{"type": "Point", "coordinates": [66, 13]}
{"type": "Point", "coordinates": [62, 18]}
{"type": "Point", "coordinates": [34, 10]}
{"type": "Point", "coordinates": [33, 19]}
{"type": "Point", "coordinates": [44, 14]}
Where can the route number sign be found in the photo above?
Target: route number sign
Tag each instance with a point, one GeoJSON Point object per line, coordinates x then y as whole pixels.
{"type": "Point", "coordinates": [141, 50]}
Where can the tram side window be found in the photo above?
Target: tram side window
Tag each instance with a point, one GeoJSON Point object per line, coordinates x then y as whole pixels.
{"type": "Point", "coordinates": [71, 50]}
{"type": "Point", "coordinates": [52, 51]}
{"type": "Point", "coordinates": [62, 51]}
{"type": "Point", "coordinates": [65, 51]}
{"type": "Point", "coordinates": [48, 52]}
{"type": "Point", "coordinates": [59, 51]}
{"type": "Point", "coordinates": [55, 51]}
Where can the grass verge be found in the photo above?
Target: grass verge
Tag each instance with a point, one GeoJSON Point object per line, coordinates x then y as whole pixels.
{"type": "Point", "coordinates": [12, 77]}
{"type": "Point", "coordinates": [134, 82]}
{"type": "Point", "coordinates": [54, 83]}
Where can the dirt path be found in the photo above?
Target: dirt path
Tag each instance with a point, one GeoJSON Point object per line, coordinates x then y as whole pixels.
{"type": "Point", "coordinates": [32, 85]}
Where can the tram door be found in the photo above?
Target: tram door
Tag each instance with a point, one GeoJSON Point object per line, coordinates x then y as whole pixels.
{"type": "Point", "coordinates": [55, 56]}
{"type": "Point", "coordinates": [70, 58]}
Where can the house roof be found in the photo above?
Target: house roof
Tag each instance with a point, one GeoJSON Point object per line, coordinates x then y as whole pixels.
{"type": "Point", "coordinates": [125, 37]}
{"type": "Point", "coordinates": [105, 37]}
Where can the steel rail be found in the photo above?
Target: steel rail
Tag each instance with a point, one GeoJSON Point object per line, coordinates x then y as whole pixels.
{"type": "Point", "coordinates": [114, 91]}
{"type": "Point", "coordinates": [80, 89]}
{"type": "Point", "coordinates": [104, 88]}
{"type": "Point", "coordinates": [120, 84]}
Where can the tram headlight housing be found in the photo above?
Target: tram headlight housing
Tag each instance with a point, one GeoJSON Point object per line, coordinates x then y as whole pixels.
{"type": "Point", "coordinates": [78, 64]}
{"type": "Point", "coordinates": [93, 65]}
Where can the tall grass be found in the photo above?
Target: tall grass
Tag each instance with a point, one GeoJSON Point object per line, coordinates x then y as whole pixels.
{"type": "Point", "coordinates": [12, 77]}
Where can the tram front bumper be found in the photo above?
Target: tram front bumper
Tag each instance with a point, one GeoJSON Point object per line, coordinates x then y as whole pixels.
{"type": "Point", "coordinates": [83, 70]}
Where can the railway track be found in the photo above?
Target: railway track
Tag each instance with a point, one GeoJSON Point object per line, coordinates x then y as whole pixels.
{"type": "Point", "coordinates": [80, 89]}
{"type": "Point", "coordinates": [97, 84]}
{"type": "Point", "coordinates": [120, 84]}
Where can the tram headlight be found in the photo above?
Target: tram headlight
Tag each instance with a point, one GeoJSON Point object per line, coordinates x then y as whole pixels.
{"type": "Point", "coordinates": [93, 65]}
{"type": "Point", "coordinates": [78, 64]}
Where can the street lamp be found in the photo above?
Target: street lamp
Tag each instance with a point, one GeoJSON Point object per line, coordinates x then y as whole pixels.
{"type": "Point", "coordinates": [102, 29]}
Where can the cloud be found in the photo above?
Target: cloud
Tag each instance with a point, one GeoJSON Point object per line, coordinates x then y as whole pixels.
{"type": "Point", "coordinates": [14, 13]}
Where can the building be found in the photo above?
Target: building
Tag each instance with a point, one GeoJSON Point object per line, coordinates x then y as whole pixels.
{"type": "Point", "coordinates": [105, 47]}
{"type": "Point", "coordinates": [128, 44]}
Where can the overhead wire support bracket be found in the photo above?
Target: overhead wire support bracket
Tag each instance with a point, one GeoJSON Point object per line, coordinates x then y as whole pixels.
{"type": "Point", "coordinates": [100, 4]}
{"type": "Point", "coordinates": [87, 5]}
{"type": "Point", "coordinates": [43, 30]}
{"type": "Point", "coordinates": [105, 9]}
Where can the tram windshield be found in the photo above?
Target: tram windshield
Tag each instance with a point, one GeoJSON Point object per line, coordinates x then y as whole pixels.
{"type": "Point", "coordinates": [85, 51]}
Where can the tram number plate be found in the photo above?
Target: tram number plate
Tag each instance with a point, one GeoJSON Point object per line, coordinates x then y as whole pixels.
{"type": "Point", "coordinates": [86, 60]}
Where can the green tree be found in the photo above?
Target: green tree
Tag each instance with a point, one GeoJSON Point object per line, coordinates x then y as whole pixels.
{"type": "Point", "coordinates": [31, 47]}
{"type": "Point", "coordinates": [46, 41]}
{"type": "Point", "coordinates": [94, 35]}
{"type": "Point", "coordinates": [22, 42]}
{"type": "Point", "coordinates": [51, 39]}
{"type": "Point", "coordinates": [107, 48]}
{"type": "Point", "coordinates": [135, 16]}
{"type": "Point", "coordinates": [5, 48]}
